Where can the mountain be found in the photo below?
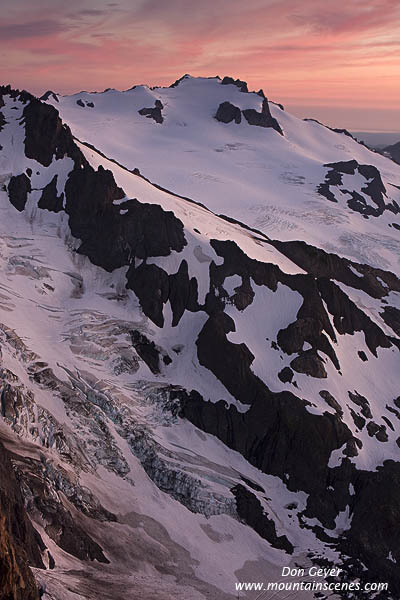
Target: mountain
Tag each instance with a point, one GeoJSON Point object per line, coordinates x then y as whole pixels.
{"type": "Point", "coordinates": [200, 326]}
{"type": "Point", "coordinates": [393, 151]}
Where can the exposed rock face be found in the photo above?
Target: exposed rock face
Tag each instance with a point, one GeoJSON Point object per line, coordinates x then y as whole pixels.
{"type": "Point", "coordinates": [49, 199]}
{"type": "Point", "coordinates": [68, 535]}
{"type": "Point", "coordinates": [375, 282]}
{"type": "Point", "coordinates": [229, 362]}
{"type": "Point", "coordinates": [312, 323]}
{"type": "Point", "coordinates": [348, 318]}
{"type": "Point", "coordinates": [330, 400]}
{"type": "Point", "coordinates": [144, 230]}
{"type": "Point", "coordinates": [228, 112]}
{"type": "Point", "coordinates": [251, 511]}
{"type": "Point", "coordinates": [7, 90]}
{"type": "Point", "coordinates": [18, 190]}
{"type": "Point", "coordinates": [83, 104]}
{"type": "Point", "coordinates": [375, 510]}
{"type": "Point", "coordinates": [263, 118]}
{"type": "Point", "coordinates": [45, 134]}
{"type": "Point", "coordinates": [269, 436]}
{"type": "Point", "coordinates": [310, 363]}
{"type": "Point", "coordinates": [64, 527]}
{"type": "Point", "coordinates": [242, 85]}
{"type": "Point", "coordinates": [151, 286]}
{"type": "Point", "coordinates": [49, 94]}
{"type": "Point", "coordinates": [286, 375]}
{"type": "Point", "coordinates": [154, 288]}
{"type": "Point", "coordinates": [362, 402]}
{"type": "Point", "coordinates": [359, 201]}
{"type": "Point", "coordinates": [146, 350]}
{"type": "Point", "coordinates": [268, 448]}
{"type": "Point", "coordinates": [391, 316]}
{"type": "Point", "coordinates": [153, 113]}
{"type": "Point", "coordinates": [20, 544]}
{"type": "Point", "coordinates": [178, 81]}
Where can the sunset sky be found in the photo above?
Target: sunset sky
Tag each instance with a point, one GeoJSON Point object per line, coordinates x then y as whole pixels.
{"type": "Point", "coordinates": [335, 60]}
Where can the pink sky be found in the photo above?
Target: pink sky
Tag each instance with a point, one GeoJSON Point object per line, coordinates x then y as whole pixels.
{"type": "Point", "coordinates": [338, 61]}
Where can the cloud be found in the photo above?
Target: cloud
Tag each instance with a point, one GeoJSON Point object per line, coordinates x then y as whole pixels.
{"type": "Point", "coordinates": [304, 50]}
{"type": "Point", "coordinates": [91, 12]}
{"type": "Point", "coordinates": [31, 29]}
{"type": "Point", "coordinates": [350, 16]}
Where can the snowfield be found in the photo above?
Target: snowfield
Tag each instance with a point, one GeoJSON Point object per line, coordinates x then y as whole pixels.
{"type": "Point", "coordinates": [252, 174]}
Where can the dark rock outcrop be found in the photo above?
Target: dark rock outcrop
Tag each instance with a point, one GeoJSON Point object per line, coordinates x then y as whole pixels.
{"type": "Point", "coordinates": [311, 326]}
{"type": "Point", "coordinates": [65, 531]}
{"type": "Point", "coordinates": [83, 104]}
{"type": "Point", "coordinates": [362, 402]}
{"type": "Point", "coordinates": [312, 322]}
{"type": "Point", "coordinates": [250, 510]}
{"type": "Point", "coordinates": [348, 318]}
{"type": "Point", "coordinates": [229, 362]}
{"type": "Point", "coordinates": [183, 293]}
{"type": "Point", "coordinates": [151, 286]}
{"type": "Point", "coordinates": [359, 201]}
{"type": "Point", "coordinates": [20, 544]}
{"type": "Point", "coordinates": [154, 287]}
{"type": "Point", "coordinates": [319, 263]}
{"type": "Point", "coordinates": [286, 375]}
{"type": "Point", "coordinates": [146, 350]}
{"type": "Point", "coordinates": [378, 431]}
{"type": "Point", "coordinates": [362, 355]}
{"type": "Point", "coordinates": [49, 94]}
{"type": "Point", "coordinates": [178, 81]}
{"type": "Point", "coordinates": [7, 90]}
{"type": "Point", "coordinates": [228, 112]}
{"type": "Point", "coordinates": [391, 316]}
{"type": "Point", "coordinates": [271, 435]}
{"type": "Point", "coordinates": [375, 510]}
{"type": "Point", "coordinates": [49, 199]}
{"type": "Point", "coordinates": [153, 113]}
{"type": "Point", "coordinates": [242, 85]}
{"type": "Point", "coordinates": [110, 239]}
{"type": "Point", "coordinates": [18, 189]}
{"type": "Point", "coordinates": [46, 136]}
{"type": "Point", "coordinates": [309, 363]}
{"type": "Point", "coordinates": [332, 402]}
{"type": "Point", "coordinates": [263, 118]}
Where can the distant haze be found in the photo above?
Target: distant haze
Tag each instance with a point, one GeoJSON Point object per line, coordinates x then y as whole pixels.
{"type": "Point", "coordinates": [377, 139]}
{"type": "Point", "coordinates": [371, 120]}
{"type": "Point", "coordinates": [338, 62]}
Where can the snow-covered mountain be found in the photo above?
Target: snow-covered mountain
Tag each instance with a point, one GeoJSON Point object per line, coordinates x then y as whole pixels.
{"type": "Point", "coordinates": [200, 326]}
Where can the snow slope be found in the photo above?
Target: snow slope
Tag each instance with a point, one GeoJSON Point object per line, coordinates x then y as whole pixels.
{"type": "Point", "coordinates": [253, 174]}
